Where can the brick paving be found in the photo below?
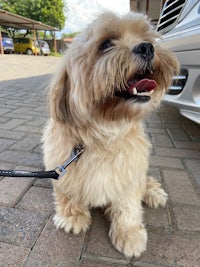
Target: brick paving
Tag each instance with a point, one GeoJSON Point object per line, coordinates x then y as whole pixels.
{"type": "Point", "coordinates": [27, 235]}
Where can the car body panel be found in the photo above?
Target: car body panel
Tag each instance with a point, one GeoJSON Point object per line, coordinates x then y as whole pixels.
{"type": "Point", "coordinates": [25, 45]}
{"type": "Point", "coordinates": [184, 40]}
{"type": "Point", "coordinates": [7, 42]}
{"type": "Point", "coordinates": [44, 47]}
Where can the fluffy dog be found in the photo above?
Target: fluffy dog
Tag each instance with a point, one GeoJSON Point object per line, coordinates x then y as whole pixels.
{"type": "Point", "coordinates": [112, 76]}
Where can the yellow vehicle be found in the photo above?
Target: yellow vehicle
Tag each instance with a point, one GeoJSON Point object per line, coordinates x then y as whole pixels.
{"type": "Point", "coordinates": [26, 45]}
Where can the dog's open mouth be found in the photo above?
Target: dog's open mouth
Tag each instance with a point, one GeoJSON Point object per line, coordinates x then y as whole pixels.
{"type": "Point", "coordinates": [138, 89]}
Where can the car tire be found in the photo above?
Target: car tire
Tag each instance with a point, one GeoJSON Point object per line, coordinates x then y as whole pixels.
{"type": "Point", "coordinates": [29, 51]}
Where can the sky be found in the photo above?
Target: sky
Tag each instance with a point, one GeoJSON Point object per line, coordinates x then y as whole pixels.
{"type": "Point", "coordinates": [82, 12]}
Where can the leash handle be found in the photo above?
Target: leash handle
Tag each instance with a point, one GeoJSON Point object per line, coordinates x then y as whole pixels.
{"type": "Point", "coordinates": [22, 173]}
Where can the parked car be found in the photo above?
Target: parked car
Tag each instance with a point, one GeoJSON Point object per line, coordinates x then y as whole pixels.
{"type": "Point", "coordinates": [179, 25]}
{"type": "Point", "coordinates": [44, 47]}
{"type": "Point", "coordinates": [7, 43]}
{"type": "Point", "coordinates": [26, 45]}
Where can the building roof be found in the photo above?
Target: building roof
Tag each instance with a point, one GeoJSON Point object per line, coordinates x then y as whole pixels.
{"type": "Point", "coordinates": [68, 40]}
{"type": "Point", "coordinates": [11, 20]}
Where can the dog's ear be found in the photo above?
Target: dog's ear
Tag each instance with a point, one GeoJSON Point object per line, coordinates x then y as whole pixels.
{"type": "Point", "coordinates": [59, 96]}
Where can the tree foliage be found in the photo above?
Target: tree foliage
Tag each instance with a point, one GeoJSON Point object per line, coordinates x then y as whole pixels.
{"type": "Point", "coordinates": [69, 35]}
{"type": "Point", "coordinates": [50, 12]}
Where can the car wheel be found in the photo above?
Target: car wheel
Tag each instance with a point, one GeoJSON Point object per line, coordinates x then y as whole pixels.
{"type": "Point", "coordinates": [29, 51]}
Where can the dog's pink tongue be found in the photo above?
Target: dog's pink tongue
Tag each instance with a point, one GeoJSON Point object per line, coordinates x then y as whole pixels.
{"type": "Point", "coordinates": [143, 85]}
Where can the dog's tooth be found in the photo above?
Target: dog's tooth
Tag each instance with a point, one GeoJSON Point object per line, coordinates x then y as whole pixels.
{"type": "Point", "coordinates": [134, 91]}
{"type": "Point", "coordinates": [143, 94]}
{"type": "Point", "coordinates": [140, 93]}
{"type": "Point", "coordinates": [151, 92]}
{"type": "Point", "coordinates": [151, 71]}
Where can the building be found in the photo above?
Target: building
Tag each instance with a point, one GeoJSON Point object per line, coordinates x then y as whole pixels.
{"type": "Point", "coordinates": [152, 8]}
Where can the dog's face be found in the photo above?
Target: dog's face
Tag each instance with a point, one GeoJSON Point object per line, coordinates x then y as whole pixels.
{"type": "Point", "coordinates": [114, 70]}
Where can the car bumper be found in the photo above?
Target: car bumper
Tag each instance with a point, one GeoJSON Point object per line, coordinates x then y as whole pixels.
{"type": "Point", "coordinates": [188, 100]}
{"type": "Point", "coordinates": [45, 51]}
{"type": "Point", "coordinates": [8, 49]}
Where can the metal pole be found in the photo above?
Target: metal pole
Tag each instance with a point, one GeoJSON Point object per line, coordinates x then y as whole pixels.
{"type": "Point", "coordinates": [1, 43]}
{"type": "Point", "coordinates": [34, 33]}
{"type": "Point", "coordinates": [55, 44]}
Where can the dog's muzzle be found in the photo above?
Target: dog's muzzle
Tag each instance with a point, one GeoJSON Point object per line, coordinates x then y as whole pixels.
{"type": "Point", "coordinates": [141, 85]}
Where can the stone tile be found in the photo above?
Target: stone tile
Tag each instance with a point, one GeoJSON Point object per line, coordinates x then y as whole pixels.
{"type": "Point", "coordinates": [172, 116]}
{"type": "Point", "coordinates": [12, 189]}
{"type": "Point", "coordinates": [171, 250]}
{"type": "Point", "coordinates": [90, 263]}
{"type": "Point", "coordinates": [194, 168]}
{"type": "Point", "coordinates": [155, 172]}
{"type": "Point", "coordinates": [24, 158]}
{"type": "Point", "coordinates": [4, 110]}
{"type": "Point", "coordinates": [180, 188]}
{"type": "Point", "coordinates": [3, 119]}
{"type": "Point", "coordinates": [5, 144]}
{"type": "Point", "coordinates": [6, 166]}
{"type": "Point", "coordinates": [156, 125]}
{"type": "Point", "coordinates": [30, 129]}
{"type": "Point", "coordinates": [179, 135]}
{"type": "Point", "coordinates": [55, 248]}
{"type": "Point", "coordinates": [187, 218]}
{"type": "Point", "coordinates": [47, 183]}
{"type": "Point", "coordinates": [21, 227]}
{"type": "Point", "coordinates": [12, 123]}
{"type": "Point", "coordinates": [175, 152]}
{"type": "Point", "coordinates": [192, 130]}
{"type": "Point", "coordinates": [161, 140]}
{"type": "Point", "coordinates": [160, 161]}
{"type": "Point", "coordinates": [38, 149]}
{"type": "Point", "coordinates": [156, 218]}
{"type": "Point", "coordinates": [98, 241]}
{"type": "Point", "coordinates": [173, 126]}
{"type": "Point", "coordinates": [154, 117]}
{"type": "Point", "coordinates": [28, 143]}
{"type": "Point", "coordinates": [11, 134]}
{"type": "Point", "coordinates": [190, 145]}
{"type": "Point", "coordinates": [19, 116]}
{"type": "Point", "coordinates": [18, 253]}
{"type": "Point", "coordinates": [37, 121]}
{"type": "Point", "coordinates": [196, 138]}
{"type": "Point", "coordinates": [155, 130]}
{"type": "Point", "coordinates": [38, 199]}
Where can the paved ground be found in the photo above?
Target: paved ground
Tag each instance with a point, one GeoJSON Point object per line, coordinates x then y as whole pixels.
{"type": "Point", "coordinates": [27, 235]}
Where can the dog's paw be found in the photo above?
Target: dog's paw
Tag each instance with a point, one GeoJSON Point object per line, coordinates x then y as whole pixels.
{"type": "Point", "coordinates": [131, 241]}
{"type": "Point", "coordinates": [74, 224]}
{"type": "Point", "coordinates": [154, 194]}
{"type": "Point", "coordinates": [155, 197]}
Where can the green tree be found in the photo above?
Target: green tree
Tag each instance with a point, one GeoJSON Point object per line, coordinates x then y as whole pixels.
{"type": "Point", "coordinates": [50, 12]}
{"type": "Point", "coordinates": [69, 35]}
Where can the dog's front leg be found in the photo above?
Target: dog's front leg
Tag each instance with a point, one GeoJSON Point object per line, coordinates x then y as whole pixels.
{"type": "Point", "coordinates": [127, 231]}
{"type": "Point", "coordinates": [70, 216]}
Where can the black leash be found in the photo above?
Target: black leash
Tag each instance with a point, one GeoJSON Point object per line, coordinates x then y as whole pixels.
{"type": "Point", "coordinates": [57, 173]}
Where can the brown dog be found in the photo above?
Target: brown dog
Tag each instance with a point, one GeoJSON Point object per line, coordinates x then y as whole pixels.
{"type": "Point", "coordinates": [113, 75]}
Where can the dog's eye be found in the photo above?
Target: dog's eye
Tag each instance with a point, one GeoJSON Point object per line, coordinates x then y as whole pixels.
{"type": "Point", "coordinates": [106, 45]}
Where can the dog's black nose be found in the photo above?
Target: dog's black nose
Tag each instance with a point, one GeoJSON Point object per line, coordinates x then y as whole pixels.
{"type": "Point", "coordinates": [146, 50]}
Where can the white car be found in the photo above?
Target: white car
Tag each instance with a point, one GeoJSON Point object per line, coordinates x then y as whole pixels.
{"type": "Point", "coordinates": [44, 47]}
{"type": "Point", "coordinates": [179, 25]}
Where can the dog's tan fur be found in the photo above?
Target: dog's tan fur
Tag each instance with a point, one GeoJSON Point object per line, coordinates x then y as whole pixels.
{"type": "Point", "coordinates": [112, 172]}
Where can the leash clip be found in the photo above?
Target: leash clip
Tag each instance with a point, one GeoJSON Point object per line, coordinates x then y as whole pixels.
{"type": "Point", "coordinates": [76, 152]}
